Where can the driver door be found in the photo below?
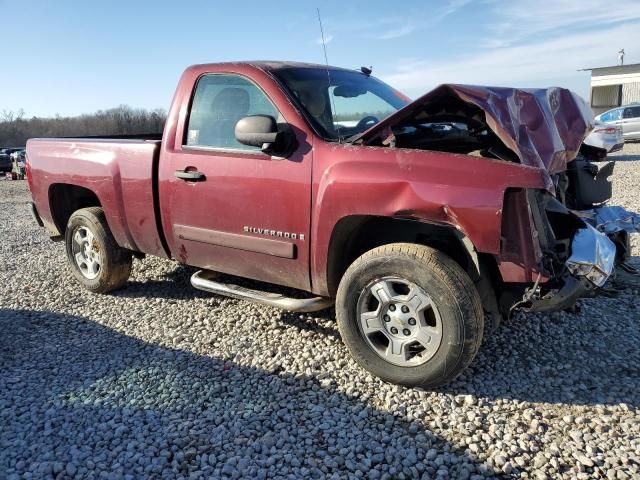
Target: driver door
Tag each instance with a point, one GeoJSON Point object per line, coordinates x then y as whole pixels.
{"type": "Point", "coordinates": [233, 208]}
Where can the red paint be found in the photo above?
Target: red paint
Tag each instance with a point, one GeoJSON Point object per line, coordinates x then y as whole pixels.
{"type": "Point", "coordinates": [242, 189]}
{"type": "Point", "coordinates": [307, 193]}
{"type": "Point", "coordinates": [386, 182]}
{"type": "Point", "coordinates": [117, 171]}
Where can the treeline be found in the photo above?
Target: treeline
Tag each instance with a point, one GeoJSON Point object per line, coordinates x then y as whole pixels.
{"type": "Point", "coordinates": [122, 120]}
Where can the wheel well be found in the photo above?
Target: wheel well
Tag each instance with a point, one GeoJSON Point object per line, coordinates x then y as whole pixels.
{"type": "Point", "coordinates": [354, 235]}
{"type": "Point", "coordinates": [65, 199]}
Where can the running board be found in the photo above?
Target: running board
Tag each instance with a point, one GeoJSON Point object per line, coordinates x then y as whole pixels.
{"type": "Point", "coordinates": [202, 281]}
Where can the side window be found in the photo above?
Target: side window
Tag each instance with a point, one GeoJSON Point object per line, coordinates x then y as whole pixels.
{"type": "Point", "coordinates": [219, 102]}
{"type": "Point", "coordinates": [631, 112]}
{"type": "Point", "coordinates": [616, 114]}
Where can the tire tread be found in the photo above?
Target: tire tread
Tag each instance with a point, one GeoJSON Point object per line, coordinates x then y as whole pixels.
{"type": "Point", "coordinates": [456, 281]}
{"type": "Point", "coordinates": [119, 267]}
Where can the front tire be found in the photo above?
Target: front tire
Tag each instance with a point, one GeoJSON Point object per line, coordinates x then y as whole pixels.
{"type": "Point", "coordinates": [410, 315]}
{"type": "Point", "coordinates": [97, 262]}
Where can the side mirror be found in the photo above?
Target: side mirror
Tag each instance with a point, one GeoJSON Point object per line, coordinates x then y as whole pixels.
{"type": "Point", "coordinates": [257, 131]}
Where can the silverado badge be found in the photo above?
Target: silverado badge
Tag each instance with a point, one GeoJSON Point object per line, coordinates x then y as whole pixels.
{"type": "Point", "coordinates": [274, 233]}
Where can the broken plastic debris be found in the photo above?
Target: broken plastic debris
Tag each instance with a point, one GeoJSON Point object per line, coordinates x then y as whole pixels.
{"type": "Point", "coordinates": [613, 219]}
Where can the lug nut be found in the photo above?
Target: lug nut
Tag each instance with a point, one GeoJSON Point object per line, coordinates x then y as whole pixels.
{"type": "Point", "coordinates": [405, 309]}
{"type": "Point", "coordinates": [412, 321]}
{"type": "Point", "coordinates": [406, 331]}
{"type": "Point", "coordinates": [394, 330]}
{"type": "Point", "coordinates": [386, 318]}
{"type": "Point", "coordinates": [392, 307]}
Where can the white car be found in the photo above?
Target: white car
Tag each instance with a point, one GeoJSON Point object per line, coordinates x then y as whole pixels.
{"type": "Point", "coordinates": [626, 117]}
{"type": "Point", "coordinates": [607, 136]}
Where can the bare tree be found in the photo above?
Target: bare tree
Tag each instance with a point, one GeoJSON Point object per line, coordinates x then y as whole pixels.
{"type": "Point", "coordinates": [15, 130]}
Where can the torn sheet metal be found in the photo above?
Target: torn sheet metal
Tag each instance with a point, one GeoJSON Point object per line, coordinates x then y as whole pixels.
{"type": "Point", "coordinates": [612, 219]}
{"type": "Point", "coordinates": [543, 127]}
{"type": "Point", "coordinates": [592, 256]}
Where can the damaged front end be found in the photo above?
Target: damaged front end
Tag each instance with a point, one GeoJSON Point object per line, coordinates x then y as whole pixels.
{"type": "Point", "coordinates": [597, 235]}
{"type": "Point", "coordinates": [559, 243]}
{"type": "Point", "coordinates": [576, 251]}
{"type": "Point", "coordinates": [592, 256]}
{"type": "Point", "coordinates": [572, 257]}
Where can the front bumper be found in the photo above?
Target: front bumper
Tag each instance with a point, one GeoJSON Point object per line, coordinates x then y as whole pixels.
{"type": "Point", "coordinates": [593, 256]}
{"type": "Point", "coordinates": [589, 266]}
{"type": "Point", "coordinates": [560, 299]}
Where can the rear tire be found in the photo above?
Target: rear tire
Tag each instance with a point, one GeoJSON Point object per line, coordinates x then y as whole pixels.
{"type": "Point", "coordinates": [96, 260]}
{"type": "Point", "coordinates": [409, 315]}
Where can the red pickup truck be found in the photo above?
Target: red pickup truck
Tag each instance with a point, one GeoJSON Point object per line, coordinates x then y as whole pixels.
{"type": "Point", "coordinates": [419, 219]}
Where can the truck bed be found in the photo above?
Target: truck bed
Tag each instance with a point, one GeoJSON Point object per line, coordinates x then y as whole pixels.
{"type": "Point", "coordinates": [120, 170]}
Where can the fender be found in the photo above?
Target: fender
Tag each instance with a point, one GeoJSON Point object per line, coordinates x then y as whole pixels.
{"type": "Point", "coordinates": [459, 191]}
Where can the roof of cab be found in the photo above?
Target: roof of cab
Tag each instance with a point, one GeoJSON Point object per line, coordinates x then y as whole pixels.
{"type": "Point", "coordinates": [269, 65]}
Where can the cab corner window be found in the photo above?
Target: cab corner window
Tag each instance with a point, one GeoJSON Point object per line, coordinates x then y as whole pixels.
{"type": "Point", "coordinates": [219, 102]}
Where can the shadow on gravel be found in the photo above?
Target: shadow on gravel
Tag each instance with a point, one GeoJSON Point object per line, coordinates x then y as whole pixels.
{"type": "Point", "coordinates": [624, 155]}
{"type": "Point", "coordinates": [175, 285]}
{"type": "Point", "coordinates": [576, 359]}
{"type": "Point", "coordinates": [309, 322]}
{"type": "Point", "coordinates": [535, 358]}
{"type": "Point", "coordinates": [79, 393]}
{"type": "Point", "coordinates": [624, 158]}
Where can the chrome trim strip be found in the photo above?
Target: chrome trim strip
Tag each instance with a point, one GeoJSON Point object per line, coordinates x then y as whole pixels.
{"type": "Point", "coordinates": [267, 246]}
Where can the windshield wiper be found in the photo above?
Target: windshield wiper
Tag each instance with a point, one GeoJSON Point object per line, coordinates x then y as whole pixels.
{"type": "Point", "coordinates": [353, 138]}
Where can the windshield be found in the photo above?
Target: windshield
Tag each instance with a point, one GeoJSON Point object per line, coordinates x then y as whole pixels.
{"type": "Point", "coordinates": [352, 103]}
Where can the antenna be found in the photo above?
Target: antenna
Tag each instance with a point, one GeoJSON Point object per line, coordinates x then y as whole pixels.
{"type": "Point", "coordinates": [326, 62]}
{"type": "Point", "coordinates": [324, 45]}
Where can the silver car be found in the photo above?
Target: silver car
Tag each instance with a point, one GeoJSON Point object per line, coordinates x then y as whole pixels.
{"type": "Point", "coordinates": [628, 117]}
{"type": "Point", "coordinates": [605, 136]}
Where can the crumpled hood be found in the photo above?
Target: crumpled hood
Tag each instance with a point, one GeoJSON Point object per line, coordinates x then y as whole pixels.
{"type": "Point", "coordinates": [543, 127]}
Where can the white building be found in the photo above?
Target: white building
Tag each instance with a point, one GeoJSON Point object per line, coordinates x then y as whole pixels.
{"type": "Point", "coordinates": [614, 86]}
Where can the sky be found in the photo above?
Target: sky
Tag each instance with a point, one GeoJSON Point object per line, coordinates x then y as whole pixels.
{"type": "Point", "coordinates": [68, 57]}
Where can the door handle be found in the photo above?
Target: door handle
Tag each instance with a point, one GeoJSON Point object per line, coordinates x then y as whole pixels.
{"type": "Point", "coordinates": [190, 175]}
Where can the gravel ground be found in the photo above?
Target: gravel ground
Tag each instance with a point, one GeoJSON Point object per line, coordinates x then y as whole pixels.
{"type": "Point", "coordinates": [161, 380]}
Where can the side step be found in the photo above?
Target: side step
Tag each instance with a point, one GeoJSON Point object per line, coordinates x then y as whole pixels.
{"type": "Point", "coordinates": [202, 280]}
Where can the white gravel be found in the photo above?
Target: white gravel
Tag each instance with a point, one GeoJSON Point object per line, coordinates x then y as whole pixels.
{"type": "Point", "coordinates": [161, 380]}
